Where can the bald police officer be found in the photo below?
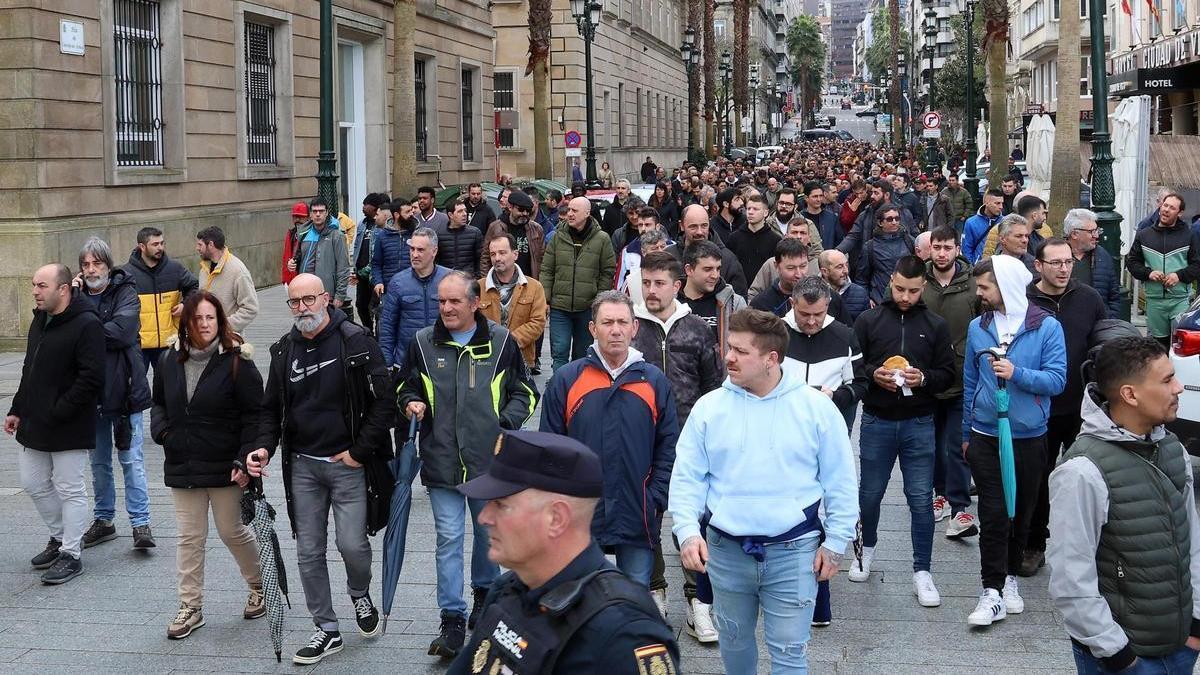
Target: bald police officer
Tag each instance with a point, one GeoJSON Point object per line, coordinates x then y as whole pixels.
{"type": "Point", "coordinates": [563, 608]}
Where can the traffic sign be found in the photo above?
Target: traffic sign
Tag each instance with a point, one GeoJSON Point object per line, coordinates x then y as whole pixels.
{"type": "Point", "coordinates": [932, 133]}
{"type": "Point", "coordinates": [931, 120]}
{"type": "Point", "coordinates": [573, 139]}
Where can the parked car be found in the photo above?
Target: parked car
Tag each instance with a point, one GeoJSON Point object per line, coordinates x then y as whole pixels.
{"type": "Point", "coordinates": [766, 152]}
{"type": "Point", "coordinates": [845, 135]}
{"type": "Point", "coordinates": [867, 112]}
{"type": "Point", "coordinates": [815, 134]}
{"type": "Point", "coordinates": [1185, 356]}
{"type": "Point", "coordinates": [845, 104]}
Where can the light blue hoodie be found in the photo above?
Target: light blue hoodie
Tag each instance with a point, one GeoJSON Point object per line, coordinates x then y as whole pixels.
{"type": "Point", "coordinates": [756, 463]}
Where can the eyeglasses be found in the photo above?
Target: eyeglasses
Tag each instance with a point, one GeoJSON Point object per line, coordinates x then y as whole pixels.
{"type": "Point", "coordinates": [891, 219]}
{"type": "Point", "coordinates": [308, 300]}
{"type": "Point", "coordinates": [1058, 264]}
{"type": "Point", "coordinates": [1090, 231]}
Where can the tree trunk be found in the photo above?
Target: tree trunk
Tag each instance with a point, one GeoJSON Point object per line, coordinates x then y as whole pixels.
{"type": "Point", "coordinates": [710, 79]}
{"type": "Point", "coordinates": [741, 66]}
{"type": "Point", "coordinates": [1064, 168]}
{"type": "Point", "coordinates": [996, 25]}
{"type": "Point", "coordinates": [893, 59]}
{"type": "Point", "coordinates": [694, 14]}
{"type": "Point", "coordinates": [540, 18]}
{"type": "Point", "coordinates": [404, 130]}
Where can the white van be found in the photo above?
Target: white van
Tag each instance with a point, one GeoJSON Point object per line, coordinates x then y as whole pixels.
{"type": "Point", "coordinates": [766, 152]}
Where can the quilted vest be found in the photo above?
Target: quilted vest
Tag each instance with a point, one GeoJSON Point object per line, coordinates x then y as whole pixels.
{"type": "Point", "coordinates": [1144, 553]}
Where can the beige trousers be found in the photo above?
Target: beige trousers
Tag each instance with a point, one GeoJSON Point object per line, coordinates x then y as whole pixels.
{"type": "Point", "coordinates": [191, 514]}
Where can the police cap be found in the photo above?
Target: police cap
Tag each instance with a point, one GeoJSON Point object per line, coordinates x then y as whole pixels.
{"type": "Point", "coordinates": [540, 460]}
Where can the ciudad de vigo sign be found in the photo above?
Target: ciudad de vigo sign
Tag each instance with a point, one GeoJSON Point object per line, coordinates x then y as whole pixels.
{"type": "Point", "coordinates": [1176, 50]}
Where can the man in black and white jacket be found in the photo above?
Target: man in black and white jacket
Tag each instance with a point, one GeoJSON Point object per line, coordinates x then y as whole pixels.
{"type": "Point", "coordinates": [828, 349]}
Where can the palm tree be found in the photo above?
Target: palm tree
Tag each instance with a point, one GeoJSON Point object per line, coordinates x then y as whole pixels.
{"type": "Point", "coordinates": [806, 53]}
{"type": "Point", "coordinates": [996, 17]}
{"type": "Point", "coordinates": [404, 133]}
{"type": "Point", "coordinates": [540, 18]}
{"type": "Point", "coordinates": [710, 77]}
{"type": "Point", "coordinates": [1064, 169]}
{"type": "Point", "coordinates": [741, 64]}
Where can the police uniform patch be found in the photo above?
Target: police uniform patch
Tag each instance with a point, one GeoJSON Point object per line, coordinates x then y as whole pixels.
{"type": "Point", "coordinates": [479, 660]}
{"type": "Point", "coordinates": [654, 660]}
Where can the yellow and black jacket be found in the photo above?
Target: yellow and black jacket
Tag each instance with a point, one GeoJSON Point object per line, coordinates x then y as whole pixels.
{"type": "Point", "coordinates": [159, 289]}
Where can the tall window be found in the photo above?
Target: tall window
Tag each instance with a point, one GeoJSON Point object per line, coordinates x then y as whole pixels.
{"type": "Point", "coordinates": [1085, 76]}
{"type": "Point", "coordinates": [620, 114]}
{"type": "Point", "coordinates": [420, 115]}
{"type": "Point", "coordinates": [260, 94]}
{"type": "Point", "coordinates": [468, 115]}
{"type": "Point", "coordinates": [502, 101]}
{"type": "Point", "coordinates": [138, 46]}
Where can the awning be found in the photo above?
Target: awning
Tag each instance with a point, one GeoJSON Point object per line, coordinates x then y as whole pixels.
{"type": "Point", "coordinates": [1155, 81]}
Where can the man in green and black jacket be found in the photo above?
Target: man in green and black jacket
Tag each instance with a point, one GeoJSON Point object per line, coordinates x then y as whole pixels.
{"type": "Point", "coordinates": [466, 382]}
{"type": "Point", "coordinates": [1124, 550]}
{"type": "Point", "coordinates": [1166, 257]}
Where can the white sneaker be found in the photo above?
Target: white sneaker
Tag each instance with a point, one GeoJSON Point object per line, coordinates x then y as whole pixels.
{"type": "Point", "coordinates": [962, 525]}
{"type": "Point", "coordinates": [1013, 603]}
{"type": "Point", "coordinates": [660, 600]}
{"type": "Point", "coordinates": [939, 508]}
{"type": "Point", "coordinates": [989, 610]}
{"type": "Point", "coordinates": [861, 570]}
{"type": "Point", "coordinates": [927, 593]}
{"type": "Point", "coordinates": [700, 623]}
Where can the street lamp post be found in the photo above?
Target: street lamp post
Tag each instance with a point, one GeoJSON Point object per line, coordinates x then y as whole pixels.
{"type": "Point", "coordinates": [726, 69]}
{"type": "Point", "coordinates": [327, 176]}
{"type": "Point", "coordinates": [1103, 191]}
{"type": "Point", "coordinates": [691, 58]}
{"type": "Point", "coordinates": [754, 82]}
{"type": "Point", "coordinates": [972, 181]}
{"type": "Point", "coordinates": [902, 67]}
{"type": "Point", "coordinates": [932, 165]}
{"type": "Point", "coordinates": [587, 19]}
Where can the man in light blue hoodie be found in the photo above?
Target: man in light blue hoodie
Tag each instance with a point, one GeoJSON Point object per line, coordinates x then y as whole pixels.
{"type": "Point", "coordinates": [760, 455]}
{"type": "Point", "coordinates": [1021, 345]}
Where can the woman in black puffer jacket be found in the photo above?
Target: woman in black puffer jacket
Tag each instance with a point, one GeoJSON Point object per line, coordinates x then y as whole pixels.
{"type": "Point", "coordinates": [207, 400]}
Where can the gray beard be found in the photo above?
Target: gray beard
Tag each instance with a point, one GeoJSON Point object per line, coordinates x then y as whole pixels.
{"type": "Point", "coordinates": [97, 284]}
{"type": "Point", "coordinates": [310, 322]}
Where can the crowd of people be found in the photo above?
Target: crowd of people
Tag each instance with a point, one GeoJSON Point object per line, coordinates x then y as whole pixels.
{"type": "Point", "coordinates": [712, 350]}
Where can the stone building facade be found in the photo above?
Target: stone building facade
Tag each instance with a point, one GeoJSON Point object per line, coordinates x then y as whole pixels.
{"type": "Point", "coordinates": [117, 114]}
{"type": "Point", "coordinates": [639, 86]}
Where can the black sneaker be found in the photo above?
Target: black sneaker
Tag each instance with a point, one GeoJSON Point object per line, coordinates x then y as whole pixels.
{"type": "Point", "coordinates": [142, 537]}
{"type": "Point", "coordinates": [367, 616]}
{"type": "Point", "coordinates": [47, 557]}
{"type": "Point", "coordinates": [479, 595]}
{"type": "Point", "coordinates": [322, 644]}
{"type": "Point", "coordinates": [64, 569]}
{"type": "Point", "coordinates": [451, 636]}
{"type": "Point", "coordinates": [100, 532]}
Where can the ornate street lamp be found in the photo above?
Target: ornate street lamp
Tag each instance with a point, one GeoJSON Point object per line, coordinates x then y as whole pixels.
{"type": "Point", "coordinates": [932, 165]}
{"type": "Point", "coordinates": [754, 82]}
{"type": "Point", "coordinates": [587, 19]}
{"type": "Point", "coordinates": [691, 59]}
{"type": "Point", "coordinates": [1103, 191]}
{"type": "Point", "coordinates": [327, 176]}
{"type": "Point", "coordinates": [972, 181]}
{"type": "Point", "coordinates": [902, 123]}
{"type": "Point", "coordinates": [726, 68]}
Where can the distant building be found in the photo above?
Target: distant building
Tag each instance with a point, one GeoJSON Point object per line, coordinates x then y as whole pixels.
{"type": "Point", "coordinates": [844, 19]}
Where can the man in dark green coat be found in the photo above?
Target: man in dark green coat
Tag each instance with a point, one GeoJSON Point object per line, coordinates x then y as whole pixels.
{"type": "Point", "coordinates": [578, 263]}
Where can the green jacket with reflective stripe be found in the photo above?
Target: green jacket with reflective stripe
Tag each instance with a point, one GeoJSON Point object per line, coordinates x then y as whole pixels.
{"type": "Point", "coordinates": [472, 391]}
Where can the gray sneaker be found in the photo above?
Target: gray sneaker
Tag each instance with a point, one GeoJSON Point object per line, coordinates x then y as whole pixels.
{"type": "Point", "coordinates": [47, 557]}
{"type": "Point", "coordinates": [100, 532]}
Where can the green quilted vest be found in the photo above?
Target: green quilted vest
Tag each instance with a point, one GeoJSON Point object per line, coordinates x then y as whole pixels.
{"type": "Point", "coordinates": [1144, 553]}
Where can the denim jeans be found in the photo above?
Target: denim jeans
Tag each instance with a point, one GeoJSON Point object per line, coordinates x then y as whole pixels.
{"type": "Point", "coordinates": [150, 357]}
{"type": "Point", "coordinates": [449, 519]}
{"type": "Point", "coordinates": [880, 443]}
{"type": "Point", "coordinates": [1179, 662]}
{"type": "Point", "coordinates": [133, 468]}
{"type": "Point", "coordinates": [569, 336]}
{"type": "Point", "coordinates": [951, 475]}
{"type": "Point", "coordinates": [635, 562]}
{"type": "Point", "coordinates": [783, 585]}
{"type": "Point", "coordinates": [318, 486]}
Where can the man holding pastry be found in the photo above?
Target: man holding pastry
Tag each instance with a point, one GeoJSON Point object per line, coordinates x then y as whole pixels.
{"type": "Point", "coordinates": [909, 359]}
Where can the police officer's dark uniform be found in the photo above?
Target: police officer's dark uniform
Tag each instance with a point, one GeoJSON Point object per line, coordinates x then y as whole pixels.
{"type": "Point", "coordinates": [588, 618]}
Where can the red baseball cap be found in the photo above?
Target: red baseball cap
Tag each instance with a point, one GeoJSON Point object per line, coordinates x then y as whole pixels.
{"type": "Point", "coordinates": [300, 209]}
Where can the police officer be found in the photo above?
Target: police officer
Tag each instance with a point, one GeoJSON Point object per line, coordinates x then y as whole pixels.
{"type": "Point", "coordinates": [563, 608]}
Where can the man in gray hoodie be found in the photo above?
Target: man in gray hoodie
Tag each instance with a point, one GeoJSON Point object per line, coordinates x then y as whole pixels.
{"type": "Point", "coordinates": [1124, 549]}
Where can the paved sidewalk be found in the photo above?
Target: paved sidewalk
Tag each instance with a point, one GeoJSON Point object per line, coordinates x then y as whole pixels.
{"type": "Point", "coordinates": [114, 617]}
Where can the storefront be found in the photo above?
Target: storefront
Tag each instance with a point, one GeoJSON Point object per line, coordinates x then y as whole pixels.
{"type": "Point", "coordinates": [1169, 72]}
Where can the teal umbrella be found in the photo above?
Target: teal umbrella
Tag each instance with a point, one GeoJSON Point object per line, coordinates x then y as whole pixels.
{"type": "Point", "coordinates": [1008, 465]}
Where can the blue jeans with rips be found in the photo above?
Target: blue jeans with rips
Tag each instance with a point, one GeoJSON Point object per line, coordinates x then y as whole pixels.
{"type": "Point", "coordinates": [133, 468]}
{"type": "Point", "coordinates": [881, 442]}
{"type": "Point", "coordinates": [783, 585]}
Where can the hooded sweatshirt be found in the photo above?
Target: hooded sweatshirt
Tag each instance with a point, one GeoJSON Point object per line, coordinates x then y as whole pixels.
{"type": "Point", "coordinates": [757, 462]}
{"type": "Point", "coordinates": [1079, 517]}
{"type": "Point", "coordinates": [1036, 347]}
{"type": "Point", "coordinates": [684, 348]}
{"type": "Point", "coordinates": [831, 359]}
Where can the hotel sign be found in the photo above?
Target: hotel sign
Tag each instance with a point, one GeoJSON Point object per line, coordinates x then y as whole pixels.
{"type": "Point", "coordinates": [1176, 50]}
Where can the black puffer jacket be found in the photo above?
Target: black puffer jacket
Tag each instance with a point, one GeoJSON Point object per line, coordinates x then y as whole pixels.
{"type": "Point", "coordinates": [61, 380]}
{"type": "Point", "coordinates": [459, 248]}
{"type": "Point", "coordinates": [920, 336]}
{"type": "Point", "coordinates": [684, 348]}
{"type": "Point", "coordinates": [125, 388]}
{"type": "Point", "coordinates": [203, 436]}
